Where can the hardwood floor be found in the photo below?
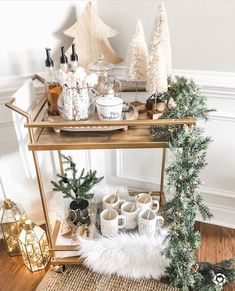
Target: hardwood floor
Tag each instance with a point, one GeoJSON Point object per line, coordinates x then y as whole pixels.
{"type": "Point", "coordinates": [14, 276]}
{"type": "Point", "coordinates": [217, 243]}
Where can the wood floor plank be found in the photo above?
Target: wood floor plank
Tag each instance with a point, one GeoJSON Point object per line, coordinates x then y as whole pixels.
{"type": "Point", "coordinates": [14, 276]}
{"type": "Point", "coordinates": [217, 243]}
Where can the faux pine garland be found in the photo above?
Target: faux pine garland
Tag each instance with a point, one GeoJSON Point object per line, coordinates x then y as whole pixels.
{"type": "Point", "coordinates": [189, 147]}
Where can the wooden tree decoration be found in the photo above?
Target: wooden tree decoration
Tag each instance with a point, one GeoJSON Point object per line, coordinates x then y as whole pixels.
{"type": "Point", "coordinates": [137, 55]}
{"type": "Point", "coordinates": [91, 35]}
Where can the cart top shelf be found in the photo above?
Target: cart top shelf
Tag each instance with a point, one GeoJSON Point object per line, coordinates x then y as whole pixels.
{"type": "Point", "coordinates": [43, 136]}
{"type": "Point", "coordinates": [134, 137]}
{"type": "Point", "coordinates": [137, 135]}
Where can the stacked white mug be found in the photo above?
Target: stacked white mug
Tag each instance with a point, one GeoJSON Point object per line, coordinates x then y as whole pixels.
{"type": "Point", "coordinates": [142, 213]}
{"type": "Point", "coordinates": [112, 201]}
{"type": "Point", "coordinates": [131, 211]}
{"type": "Point", "coordinates": [111, 222]}
{"type": "Point", "coordinates": [148, 221]}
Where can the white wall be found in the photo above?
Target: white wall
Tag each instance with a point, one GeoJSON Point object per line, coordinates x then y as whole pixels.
{"type": "Point", "coordinates": [202, 33]}
{"type": "Point", "coordinates": [27, 27]}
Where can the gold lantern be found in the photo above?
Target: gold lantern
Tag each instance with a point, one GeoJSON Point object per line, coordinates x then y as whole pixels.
{"type": "Point", "coordinates": [34, 246]}
{"type": "Point", "coordinates": [12, 217]}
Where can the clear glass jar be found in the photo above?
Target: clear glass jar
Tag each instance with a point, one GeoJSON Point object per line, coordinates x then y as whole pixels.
{"type": "Point", "coordinates": [104, 71]}
{"type": "Point", "coordinates": [101, 67]}
{"type": "Point", "coordinates": [12, 219]}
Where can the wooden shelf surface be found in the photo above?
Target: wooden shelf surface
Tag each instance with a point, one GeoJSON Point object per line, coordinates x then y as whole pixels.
{"type": "Point", "coordinates": [142, 120]}
{"type": "Point", "coordinates": [55, 260]}
{"type": "Point", "coordinates": [43, 137]}
{"type": "Point", "coordinates": [67, 261]}
{"type": "Point", "coordinates": [134, 137]}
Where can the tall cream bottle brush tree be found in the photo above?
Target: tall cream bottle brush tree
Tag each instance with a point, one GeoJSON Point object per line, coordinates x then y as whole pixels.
{"type": "Point", "coordinates": [137, 55]}
{"type": "Point", "coordinates": [165, 39]}
{"type": "Point", "coordinates": [159, 55]}
{"type": "Point", "coordinates": [137, 60]}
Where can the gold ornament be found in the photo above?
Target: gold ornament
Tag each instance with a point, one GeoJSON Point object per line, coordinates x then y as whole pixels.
{"type": "Point", "coordinates": [69, 229]}
{"type": "Point", "coordinates": [12, 218]}
{"type": "Point", "coordinates": [34, 246]}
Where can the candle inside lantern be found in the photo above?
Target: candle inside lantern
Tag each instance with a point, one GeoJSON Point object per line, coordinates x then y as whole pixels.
{"type": "Point", "coordinates": [12, 217]}
{"type": "Point", "coordinates": [34, 246]}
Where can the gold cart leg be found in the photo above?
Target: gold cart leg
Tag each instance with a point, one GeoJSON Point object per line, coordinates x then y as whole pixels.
{"type": "Point", "coordinates": [162, 194]}
{"type": "Point", "coordinates": [61, 163]}
{"type": "Point", "coordinates": [43, 199]}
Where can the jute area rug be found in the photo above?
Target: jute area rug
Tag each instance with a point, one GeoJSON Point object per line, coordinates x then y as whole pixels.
{"type": "Point", "coordinates": [82, 279]}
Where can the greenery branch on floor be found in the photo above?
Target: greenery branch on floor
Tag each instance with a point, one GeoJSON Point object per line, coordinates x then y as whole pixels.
{"type": "Point", "coordinates": [189, 147]}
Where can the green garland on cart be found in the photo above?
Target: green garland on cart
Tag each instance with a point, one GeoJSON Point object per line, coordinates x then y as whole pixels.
{"type": "Point", "coordinates": [189, 147]}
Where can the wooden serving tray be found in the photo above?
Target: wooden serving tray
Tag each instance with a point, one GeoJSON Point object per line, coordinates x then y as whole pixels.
{"type": "Point", "coordinates": [132, 114]}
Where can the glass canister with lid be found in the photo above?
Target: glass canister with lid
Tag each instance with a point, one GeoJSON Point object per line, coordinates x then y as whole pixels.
{"type": "Point", "coordinates": [106, 80]}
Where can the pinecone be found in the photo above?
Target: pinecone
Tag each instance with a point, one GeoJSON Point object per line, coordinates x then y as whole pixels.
{"type": "Point", "coordinates": [65, 180]}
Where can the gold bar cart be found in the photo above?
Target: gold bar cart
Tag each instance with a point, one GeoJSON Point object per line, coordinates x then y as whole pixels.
{"type": "Point", "coordinates": [44, 138]}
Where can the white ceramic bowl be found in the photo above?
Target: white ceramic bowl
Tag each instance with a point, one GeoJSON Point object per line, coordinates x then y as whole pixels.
{"type": "Point", "coordinates": [109, 108]}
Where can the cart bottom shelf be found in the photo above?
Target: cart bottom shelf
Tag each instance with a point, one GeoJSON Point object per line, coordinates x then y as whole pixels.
{"type": "Point", "coordinates": [67, 261]}
{"type": "Point", "coordinates": [76, 260]}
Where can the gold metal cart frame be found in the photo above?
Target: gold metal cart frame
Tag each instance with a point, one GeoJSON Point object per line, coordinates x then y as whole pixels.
{"type": "Point", "coordinates": [44, 138]}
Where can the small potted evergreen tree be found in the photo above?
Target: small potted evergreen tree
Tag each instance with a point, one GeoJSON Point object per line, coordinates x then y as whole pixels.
{"type": "Point", "coordinates": [77, 187]}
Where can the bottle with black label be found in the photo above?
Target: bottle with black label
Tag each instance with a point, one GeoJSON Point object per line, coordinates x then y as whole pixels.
{"type": "Point", "coordinates": [52, 86]}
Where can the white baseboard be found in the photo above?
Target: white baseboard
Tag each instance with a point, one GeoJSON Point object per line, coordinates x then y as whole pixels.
{"type": "Point", "coordinates": [223, 216]}
{"type": "Point", "coordinates": [220, 202]}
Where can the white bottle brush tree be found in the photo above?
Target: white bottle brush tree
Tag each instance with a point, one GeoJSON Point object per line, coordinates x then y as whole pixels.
{"type": "Point", "coordinates": [159, 55]}
{"type": "Point", "coordinates": [137, 56]}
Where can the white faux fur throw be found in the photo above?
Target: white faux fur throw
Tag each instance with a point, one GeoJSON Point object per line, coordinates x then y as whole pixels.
{"type": "Point", "coordinates": [127, 255]}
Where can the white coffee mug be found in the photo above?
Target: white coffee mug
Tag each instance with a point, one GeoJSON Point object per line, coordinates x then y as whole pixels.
{"type": "Point", "coordinates": [147, 222]}
{"type": "Point", "coordinates": [145, 200]}
{"type": "Point", "coordinates": [112, 201]}
{"type": "Point", "coordinates": [111, 222]}
{"type": "Point", "coordinates": [109, 108]}
{"type": "Point", "coordinates": [131, 212]}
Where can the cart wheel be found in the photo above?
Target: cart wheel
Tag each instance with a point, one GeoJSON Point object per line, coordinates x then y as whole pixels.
{"type": "Point", "coordinates": [59, 269]}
